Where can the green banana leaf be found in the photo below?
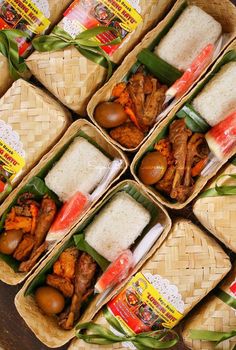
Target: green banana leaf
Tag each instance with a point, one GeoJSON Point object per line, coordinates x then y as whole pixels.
{"type": "Point", "coordinates": [82, 245]}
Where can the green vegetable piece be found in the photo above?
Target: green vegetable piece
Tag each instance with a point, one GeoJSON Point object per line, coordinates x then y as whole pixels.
{"type": "Point", "coordinates": [162, 70]}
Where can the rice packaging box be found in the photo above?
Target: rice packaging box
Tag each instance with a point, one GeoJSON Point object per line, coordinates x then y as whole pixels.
{"type": "Point", "coordinates": [170, 59]}
{"type": "Point", "coordinates": [203, 144]}
{"type": "Point", "coordinates": [31, 122]}
{"type": "Point", "coordinates": [35, 17]}
{"type": "Point", "coordinates": [216, 314]}
{"type": "Point", "coordinates": [181, 272]}
{"type": "Point", "coordinates": [72, 77]}
{"type": "Point", "coordinates": [125, 200]}
{"type": "Point", "coordinates": [216, 210]}
{"type": "Point", "coordinates": [65, 184]}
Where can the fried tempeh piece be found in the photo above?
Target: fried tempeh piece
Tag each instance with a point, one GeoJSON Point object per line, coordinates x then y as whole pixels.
{"type": "Point", "coordinates": [84, 275]}
{"type": "Point", "coordinates": [65, 265]}
{"type": "Point", "coordinates": [62, 284]}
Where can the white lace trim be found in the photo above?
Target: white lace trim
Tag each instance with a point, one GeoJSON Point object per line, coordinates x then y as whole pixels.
{"type": "Point", "coordinates": [11, 138]}
{"type": "Point", "coordinates": [43, 6]}
{"type": "Point", "coordinates": [168, 291]}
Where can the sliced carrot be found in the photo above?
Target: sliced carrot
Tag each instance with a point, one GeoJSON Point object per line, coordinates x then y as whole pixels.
{"type": "Point", "coordinates": [118, 89]}
{"type": "Point", "coordinates": [196, 170]}
{"type": "Point", "coordinates": [132, 116]}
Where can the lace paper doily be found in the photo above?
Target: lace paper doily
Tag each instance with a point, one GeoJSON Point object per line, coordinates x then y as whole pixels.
{"type": "Point", "coordinates": [168, 291]}
{"type": "Point", "coordinates": [11, 138]}
{"type": "Point", "coordinates": [43, 6]}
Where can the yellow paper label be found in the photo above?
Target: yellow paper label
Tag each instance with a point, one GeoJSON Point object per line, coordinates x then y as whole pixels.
{"type": "Point", "coordinates": [37, 22]}
{"type": "Point", "coordinates": [10, 161]}
{"type": "Point", "coordinates": [125, 12]}
{"type": "Point", "coordinates": [140, 307]}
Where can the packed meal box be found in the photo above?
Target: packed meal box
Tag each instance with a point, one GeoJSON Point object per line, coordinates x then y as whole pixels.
{"type": "Point", "coordinates": [118, 174]}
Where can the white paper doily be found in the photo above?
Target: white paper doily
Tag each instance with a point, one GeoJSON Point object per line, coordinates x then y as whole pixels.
{"type": "Point", "coordinates": [11, 138]}
{"type": "Point", "coordinates": [43, 6]}
{"type": "Point", "coordinates": [168, 291]}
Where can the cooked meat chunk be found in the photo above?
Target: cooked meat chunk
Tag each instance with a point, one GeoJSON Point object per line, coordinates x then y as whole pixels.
{"type": "Point", "coordinates": [84, 275]}
{"type": "Point", "coordinates": [62, 284]}
{"type": "Point", "coordinates": [25, 247]}
{"type": "Point", "coordinates": [26, 266]}
{"type": "Point", "coordinates": [65, 265]}
{"type": "Point", "coordinates": [128, 135]}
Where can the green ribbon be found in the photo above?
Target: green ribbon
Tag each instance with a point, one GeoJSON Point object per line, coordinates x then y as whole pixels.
{"type": "Point", "coordinates": [220, 190]}
{"type": "Point", "coordinates": [103, 336]}
{"type": "Point", "coordinates": [226, 298]}
{"type": "Point", "coordinates": [84, 43]}
{"type": "Point", "coordinates": [8, 189]}
{"type": "Point", "coordinates": [212, 336]}
{"type": "Point", "coordinates": [9, 49]}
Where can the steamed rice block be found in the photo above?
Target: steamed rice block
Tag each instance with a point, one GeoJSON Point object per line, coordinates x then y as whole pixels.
{"type": "Point", "coordinates": [218, 98]}
{"type": "Point", "coordinates": [192, 31]}
{"type": "Point", "coordinates": [81, 168]}
{"type": "Point", "coordinates": [117, 226]}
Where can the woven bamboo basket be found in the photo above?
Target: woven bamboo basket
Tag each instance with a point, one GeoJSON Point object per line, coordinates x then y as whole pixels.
{"type": "Point", "coordinates": [201, 181]}
{"type": "Point", "coordinates": [56, 9]}
{"type": "Point", "coordinates": [36, 117]}
{"type": "Point", "coordinates": [72, 78]}
{"type": "Point", "coordinates": [213, 315]}
{"type": "Point", "coordinates": [46, 328]}
{"type": "Point", "coordinates": [222, 11]}
{"type": "Point", "coordinates": [218, 214]}
{"type": "Point", "coordinates": [188, 259]}
{"type": "Point", "coordinates": [7, 274]}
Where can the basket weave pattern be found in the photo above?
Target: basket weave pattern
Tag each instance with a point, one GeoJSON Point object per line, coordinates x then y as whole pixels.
{"type": "Point", "coordinates": [36, 117]}
{"type": "Point", "coordinates": [213, 315]}
{"type": "Point", "coordinates": [218, 214]}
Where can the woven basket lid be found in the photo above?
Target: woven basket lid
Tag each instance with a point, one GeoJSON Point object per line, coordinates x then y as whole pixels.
{"type": "Point", "coordinates": [33, 119]}
{"type": "Point", "coordinates": [213, 315]}
{"type": "Point", "coordinates": [218, 214]}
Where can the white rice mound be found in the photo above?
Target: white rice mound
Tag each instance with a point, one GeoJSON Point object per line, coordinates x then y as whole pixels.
{"type": "Point", "coordinates": [80, 168]}
{"type": "Point", "coordinates": [117, 226]}
{"type": "Point", "coordinates": [218, 97]}
{"type": "Point", "coordinates": [192, 31]}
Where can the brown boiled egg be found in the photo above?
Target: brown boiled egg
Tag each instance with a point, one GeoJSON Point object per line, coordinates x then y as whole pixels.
{"type": "Point", "coordinates": [152, 168]}
{"type": "Point", "coordinates": [110, 115]}
{"type": "Point", "coordinates": [9, 241]}
{"type": "Point", "coordinates": [50, 300]}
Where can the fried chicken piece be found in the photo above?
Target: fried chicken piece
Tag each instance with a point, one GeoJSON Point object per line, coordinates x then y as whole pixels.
{"type": "Point", "coordinates": [118, 89]}
{"type": "Point", "coordinates": [45, 219]}
{"type": "Point", "coordinates": [62, 284]}
{"type": "Point", "coordinates": [165, 184]}
{"type": "Point", "coordinates": [128, 135]}
{"type": "Point", "coordinates": [84, 275]}
{"type": "Point", "coordinates": [178, 136]}
{"type": "Point", "coordinates": [65, 265]}
{"type": "Point", "coordinates": [193, 150]}
{"type": "Point", "coordinates": [14, 222]}
{"type": "Point", "coordinates": [154, 103]}
{"type": "Point", "coordinates": [26, 266]}
{"type": "Point", "coordinates": [25, 247]}
{"type": "Point", "coordinates": [147, 87]}
{"type": "Point", "coordinates": [136, 91]}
